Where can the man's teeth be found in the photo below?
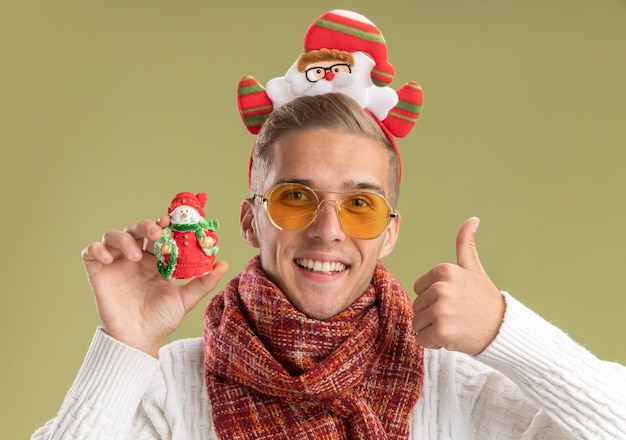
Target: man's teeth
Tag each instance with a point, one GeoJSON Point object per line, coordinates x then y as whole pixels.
{"type": "Point", "coordinates": [321, 266]}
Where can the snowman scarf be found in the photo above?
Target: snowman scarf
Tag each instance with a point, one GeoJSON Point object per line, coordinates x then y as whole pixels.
{"type": "Point", "coordinates": [271, 372]}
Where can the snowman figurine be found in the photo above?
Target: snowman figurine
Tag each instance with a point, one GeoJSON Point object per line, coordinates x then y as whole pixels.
{"type": "Point", "coordinates": [188, 246]}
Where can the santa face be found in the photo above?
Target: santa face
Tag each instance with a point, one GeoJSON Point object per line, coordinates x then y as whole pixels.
{"type": "Point", "coordinates": [185, 215]}
{"type": "Point", "coordinates": [325, 76]}
{"type": "Point", "coordinates": [332, 75]}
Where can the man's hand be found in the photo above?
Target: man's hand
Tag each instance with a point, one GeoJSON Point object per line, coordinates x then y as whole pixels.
{"type": "Point", "coordinates": [135, 304]}
{"type": "Point", "coordinates": [458, 307]}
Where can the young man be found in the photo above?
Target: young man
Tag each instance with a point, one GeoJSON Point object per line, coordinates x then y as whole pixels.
{"type": "Point", "coordinates": [315, 339]}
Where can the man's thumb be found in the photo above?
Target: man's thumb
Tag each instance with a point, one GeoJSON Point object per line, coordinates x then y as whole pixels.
{"type": "Point", "coordinates": [466, 251]}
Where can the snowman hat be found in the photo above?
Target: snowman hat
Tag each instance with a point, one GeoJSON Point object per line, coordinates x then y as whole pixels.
{"type": "Point", "coordinates": [351, 32]}
{"type": "Point", "coordinates": [195, 201]}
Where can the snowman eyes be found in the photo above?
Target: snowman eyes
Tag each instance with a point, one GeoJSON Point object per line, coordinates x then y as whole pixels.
{"type": "Point", "coordinates": [315, 73]}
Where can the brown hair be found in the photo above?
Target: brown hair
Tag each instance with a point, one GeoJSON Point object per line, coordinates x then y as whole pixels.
{"type": "Point", "coordinates": [334, 111]}
{"type": "Point", "coordinates": [324, 55]}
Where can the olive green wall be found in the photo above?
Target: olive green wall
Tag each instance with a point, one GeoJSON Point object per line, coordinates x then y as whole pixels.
{"type": "Point", "coordinates": [109, 108]}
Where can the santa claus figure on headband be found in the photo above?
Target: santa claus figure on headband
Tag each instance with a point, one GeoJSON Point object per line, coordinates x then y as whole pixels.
{"type": "Point", "coordinates": [325, 71]}
{"type": "Point", "coordinates": [344, 52]}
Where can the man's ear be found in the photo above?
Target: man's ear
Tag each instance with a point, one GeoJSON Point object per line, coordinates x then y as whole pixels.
{"type": "Point", "coordinates": [390, 238]}
{"type": "Point", "coordinates": [247, 223]}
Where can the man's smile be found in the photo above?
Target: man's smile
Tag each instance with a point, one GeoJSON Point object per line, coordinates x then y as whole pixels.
{"type": "Point", "coordinates": [326, 267]}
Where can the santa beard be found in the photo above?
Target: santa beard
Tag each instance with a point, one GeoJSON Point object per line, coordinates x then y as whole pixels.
{"type": "Point", "coordinates": [341, 81]}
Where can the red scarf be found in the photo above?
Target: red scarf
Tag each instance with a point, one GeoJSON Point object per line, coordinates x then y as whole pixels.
{"type": "Point", "coordinates": [273, 373]}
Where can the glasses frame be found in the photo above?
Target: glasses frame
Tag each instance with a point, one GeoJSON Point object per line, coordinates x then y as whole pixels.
{"type": "Point", "coordinates": [325, 69]}
{"type": "Point", "coordinates": [264, 199]}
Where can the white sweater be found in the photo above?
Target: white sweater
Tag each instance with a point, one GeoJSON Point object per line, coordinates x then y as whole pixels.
{"type": "Point", "coordinates": [532, 382]}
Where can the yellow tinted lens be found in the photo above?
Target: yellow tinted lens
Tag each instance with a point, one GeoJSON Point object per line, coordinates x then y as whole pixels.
{"type": "Point", "coordinates": [292, 207]}
{"type": "Point", "coordinates": [365, 215]}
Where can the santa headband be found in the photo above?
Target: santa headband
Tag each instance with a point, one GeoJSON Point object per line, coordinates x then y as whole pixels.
{"type": "Point", "coordinates": [342, 52]}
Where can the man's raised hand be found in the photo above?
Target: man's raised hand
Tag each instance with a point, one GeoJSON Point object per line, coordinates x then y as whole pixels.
{"type": "Point", "coordinates": [135, 304]}
{"type": "Point", "coordinates": [458, 307]}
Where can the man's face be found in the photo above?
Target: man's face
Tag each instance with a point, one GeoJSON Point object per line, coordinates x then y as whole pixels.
{"type": "Point", "coordinates": [324, 161]}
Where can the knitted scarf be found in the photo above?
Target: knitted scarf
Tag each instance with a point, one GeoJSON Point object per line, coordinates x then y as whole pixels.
{"type": "Point", "coordinates": [273, 373]}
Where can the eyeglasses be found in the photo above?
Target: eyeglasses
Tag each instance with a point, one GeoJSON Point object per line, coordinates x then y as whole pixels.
{"type": "Point", "coordinates": [292, 206]}
{"type": "Point", "coordinates": [314, 74]}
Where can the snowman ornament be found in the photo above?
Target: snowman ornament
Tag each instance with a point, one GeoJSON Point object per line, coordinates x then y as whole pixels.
{"type": "Point", "coordinates": [188, 246]}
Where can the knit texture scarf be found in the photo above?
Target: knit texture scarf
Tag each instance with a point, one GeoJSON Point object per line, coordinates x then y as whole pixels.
{"type": "Point", "coordinates": [273, 373]}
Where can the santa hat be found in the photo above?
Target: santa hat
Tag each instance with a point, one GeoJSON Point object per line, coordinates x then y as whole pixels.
{"type": "Point", "coordinates": [196, 201]}
{"type": "Point", "coordinates": [351, 32]}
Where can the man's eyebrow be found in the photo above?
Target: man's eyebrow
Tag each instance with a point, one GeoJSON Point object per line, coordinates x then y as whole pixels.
{"type": "Point", "coordinates": [348, 186]}
{"type": "Point", "coordinates": [304, 182]}
{"type": "Point", "coordinates": [370, 187]}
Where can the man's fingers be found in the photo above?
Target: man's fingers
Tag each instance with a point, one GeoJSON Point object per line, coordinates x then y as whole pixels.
{"type": "Point", "coordinates": [466, 258]}
{"type": "Point", "coordinates": [422, 320]}
{"type": "Point", "coordinates": [441, 272]}
{"type": "Point", "coordinates": [427, 328]}
{"type": "Point", "coordinates": [466, 251]}
{"type": "Point", "coordinates": [423, 282]}
{"type": "Point", "coordinates": [144, 229]}
{"type": "Point", "coordinates": [154, 231]}
{"type": "Point", "coordinates": [164, 221]}
{"type": "Point", "coordinates": [458, 307]}
{"type": "Point", "coordinates": [429, 339]}
{"type": "Point", "coordinates": [122, 243]}
{"type": "Point", "coordinates": [97, 252]}
{"type": "Point", "coordinates": [426, 298]}
{"type": "Point", "coordinates": [129, 242]}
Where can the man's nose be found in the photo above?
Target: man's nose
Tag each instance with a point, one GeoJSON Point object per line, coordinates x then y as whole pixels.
{"type": "Point", "coordinates": [327, 224]}
{"type": "Point", "coordinates": [329, 75]}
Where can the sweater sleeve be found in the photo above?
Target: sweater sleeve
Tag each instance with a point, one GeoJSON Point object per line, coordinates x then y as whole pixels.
{"type": "Point", "coordinates": [585, 396]}
{"type": "Point", "coordinates": [104, 400]}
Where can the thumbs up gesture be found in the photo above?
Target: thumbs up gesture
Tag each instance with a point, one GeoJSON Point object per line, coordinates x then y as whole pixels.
{"type": "Point", "coordinates": [458, 307]}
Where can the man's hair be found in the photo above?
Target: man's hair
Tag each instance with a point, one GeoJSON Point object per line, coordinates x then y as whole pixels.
{"type": "Point", "coordinates": [330, 111]}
